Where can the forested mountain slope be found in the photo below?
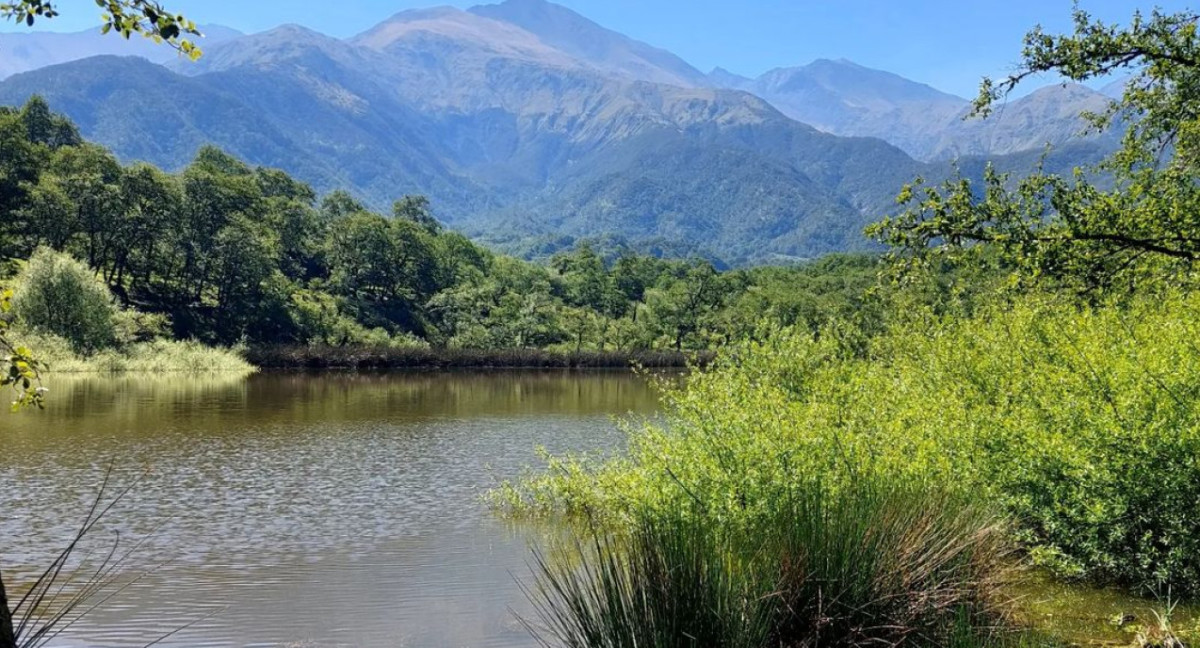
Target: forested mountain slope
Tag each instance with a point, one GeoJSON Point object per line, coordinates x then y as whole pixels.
{"type": "Point", "coordinates": [520, 120]}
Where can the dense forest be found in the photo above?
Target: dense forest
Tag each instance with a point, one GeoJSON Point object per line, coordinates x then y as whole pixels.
{"type": "Point", "coordinates": [225, 253]}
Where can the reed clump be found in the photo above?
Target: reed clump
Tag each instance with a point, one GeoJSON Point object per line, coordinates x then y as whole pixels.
{"type": "Point", "coordinates": [873, 564]}
{"type": "Point", "coordinates": [154, 357]}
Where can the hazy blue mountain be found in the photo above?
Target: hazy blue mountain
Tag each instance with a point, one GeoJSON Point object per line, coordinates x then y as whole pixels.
{"type": "Point", "coordinates": [722, 78]}
{"type": "Point", "coordinates": [1047, 116]}
{"type": "Point", "coordinates": [1116, 88]}
{"type": "Point", "coordinates": [525, 122]}
{"type": "Point", "coordinates": [25, 51]}
{"type": "Point", "coordinates": [844, 98]}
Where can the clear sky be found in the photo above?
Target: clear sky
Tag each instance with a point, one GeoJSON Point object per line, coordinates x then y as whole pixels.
{"type": "Point", "coordinates": [949, 44]}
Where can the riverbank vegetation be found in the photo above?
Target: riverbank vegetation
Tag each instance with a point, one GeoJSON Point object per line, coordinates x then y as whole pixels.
{"type": "Point", "coordinates": [1058, 397]}
{"type": "Point", "coordinates": [225, 254]}
{"type": "Point", "coordinates": [62, 309]}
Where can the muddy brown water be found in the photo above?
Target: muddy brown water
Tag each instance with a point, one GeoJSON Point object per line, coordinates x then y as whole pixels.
{"type": "Point", "coordinates": [301, 509]}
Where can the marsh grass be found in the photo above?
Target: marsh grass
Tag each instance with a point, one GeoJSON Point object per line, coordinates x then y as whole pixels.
{"type": "Point", "coordinates": [877, 563]}
{"type": "Point", "coordinates": [153, 357]}
{"type": "Point", "coordinates": [669, 583]}
{"type": "Point", "coordinates": [873, 564]}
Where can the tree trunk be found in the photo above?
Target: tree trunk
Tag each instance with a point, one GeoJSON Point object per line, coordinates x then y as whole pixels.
{"type": "Point", "coordinates": [7, 638]}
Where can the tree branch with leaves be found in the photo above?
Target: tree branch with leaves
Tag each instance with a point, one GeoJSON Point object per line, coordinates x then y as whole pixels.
{"type": "Point", "coordinates": [125, 17]}
{"type": "Point", "coordinates": [1132, 218]}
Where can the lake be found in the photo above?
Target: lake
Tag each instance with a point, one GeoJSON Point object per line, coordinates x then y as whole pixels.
{"type": "Point", "coordinates": [300, 509]}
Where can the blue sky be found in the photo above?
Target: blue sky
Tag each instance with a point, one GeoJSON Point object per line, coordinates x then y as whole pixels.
{"type": "Point", "coordinates": [945, 43]}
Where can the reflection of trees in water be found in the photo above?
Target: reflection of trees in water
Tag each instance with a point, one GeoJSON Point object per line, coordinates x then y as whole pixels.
{"type": "Point", "coordinates": [92, 409]}
{"type": "Point", "coordinates": [369, 482]}
{"type": "Point", "coordinates": [365, 396]}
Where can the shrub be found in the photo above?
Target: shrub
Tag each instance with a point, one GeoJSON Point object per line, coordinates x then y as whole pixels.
{"type": "Point", "coordinates": [1080, 422]}
{"type": "Point", "coordinates": [59, 295]}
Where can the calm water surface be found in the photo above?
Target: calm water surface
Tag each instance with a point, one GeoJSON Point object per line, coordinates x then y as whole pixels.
{"type": "Point", "coordinates": [302, 510]}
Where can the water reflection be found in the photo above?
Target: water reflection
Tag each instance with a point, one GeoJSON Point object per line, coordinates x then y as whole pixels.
{"type": "Point", "coordinates": [330, 509]}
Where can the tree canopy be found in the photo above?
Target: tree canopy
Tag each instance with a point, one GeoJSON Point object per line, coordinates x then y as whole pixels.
{"type": "Point", "coordinates": [1134, 216]}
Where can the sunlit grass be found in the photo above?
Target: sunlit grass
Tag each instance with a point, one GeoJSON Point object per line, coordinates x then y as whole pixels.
{"type": "Point", "coordinates": [873, 564]}
{"type": "Point", "coordinates": [153, 357]}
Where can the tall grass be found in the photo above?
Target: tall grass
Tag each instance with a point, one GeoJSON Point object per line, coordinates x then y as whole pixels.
{"type": "Point", "coordinates": [871, 564]}
{"type": "Point", "coordinates": [153, 357]}
{"type": "Point", "coordinates": [669, 583]}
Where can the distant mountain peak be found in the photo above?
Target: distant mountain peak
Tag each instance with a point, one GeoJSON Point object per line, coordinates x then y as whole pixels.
{"type": "Point", "coordinates": [836, 62]}
{"type": "Point", "coordinates": [298, 30]}
{"type": "Point", "coordinates": [219, 32]}
{"type": "Point", "coordinates": [425, 13]}
{"type": "Point", "coordinates": [722, 78]}
{"type": "Point", "coordinates": [593, 44]}
{"type": "Point", "coordinates": [544, 8]}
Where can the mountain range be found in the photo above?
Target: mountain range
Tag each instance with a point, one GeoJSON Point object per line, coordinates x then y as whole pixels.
{"type": "Point", "coordinates": [524, 122]}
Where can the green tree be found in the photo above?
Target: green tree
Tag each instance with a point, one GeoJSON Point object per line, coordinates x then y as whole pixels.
{"type": "Point", "coordinates": [250, 290]}
{"type": "Point", "coordinates": [1142, 222]}
{"type": "Point", "coordinates": [585, 279]}
{"type": "Point", "coordinates": [340, 204]}
{"type": "Point", "coordinates": [682, 307]}
{"type": "Point", "coordinates": [418, 210]}
{"type": "Point", "coordinates": [152, 201]}
{"type": "Point", "coordinates": [45, 128]}
{"type": "Point", "coordinates": [59, 295]}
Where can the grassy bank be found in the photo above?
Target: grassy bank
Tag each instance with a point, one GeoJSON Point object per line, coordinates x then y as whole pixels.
{"type": "Point", "coordinates": [1076, 425]}
{"type": "Point", "coordinates": [1078, 422]}
{"type": "Point", "coordinates": [157, 357]}
{"type": "Point", "coordinates": [383, 357]}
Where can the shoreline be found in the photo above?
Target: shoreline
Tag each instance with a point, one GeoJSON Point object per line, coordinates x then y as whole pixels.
{"type": "Point", "coordinates": [365, 357]}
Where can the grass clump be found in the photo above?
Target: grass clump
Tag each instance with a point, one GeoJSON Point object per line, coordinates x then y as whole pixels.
{"type": "Point", "coordinates": [869, 564]}
{"type": "Point", "coordinates": [151, 357]}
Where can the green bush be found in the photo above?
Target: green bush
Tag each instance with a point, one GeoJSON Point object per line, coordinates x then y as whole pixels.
{"type": "Point", "coordinates": [59, 295]}
{"type": "Point", "coordinates": [1080, 422]}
